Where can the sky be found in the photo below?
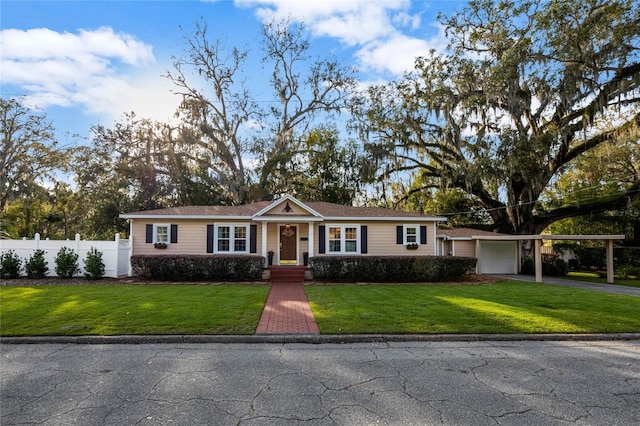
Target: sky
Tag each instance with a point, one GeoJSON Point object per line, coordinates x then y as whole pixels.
{"type": "Point", "coordinates": [84, 63]}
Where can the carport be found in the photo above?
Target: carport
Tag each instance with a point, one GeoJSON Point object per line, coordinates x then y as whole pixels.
{"type": "Point", "coordinates": [537, 241]}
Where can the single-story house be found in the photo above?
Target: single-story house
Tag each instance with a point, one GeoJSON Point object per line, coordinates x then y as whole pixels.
{"type": "Point", "coordinates": [289, 228]}
{"type": "Point", "coordinates": [289, 231]}
{"type": "Point", "coordinates": [496, 256]}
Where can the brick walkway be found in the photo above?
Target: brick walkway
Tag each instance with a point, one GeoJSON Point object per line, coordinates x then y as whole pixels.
{"type": "Point", "coordinates": [287, 311]}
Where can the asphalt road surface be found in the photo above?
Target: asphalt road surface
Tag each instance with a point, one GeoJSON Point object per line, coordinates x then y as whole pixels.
{"type": "Point", "coordinates": [401, 383]}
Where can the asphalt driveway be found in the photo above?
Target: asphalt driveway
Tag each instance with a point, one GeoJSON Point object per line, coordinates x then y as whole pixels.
{"type": "Point", "coordinates": [587, 285]}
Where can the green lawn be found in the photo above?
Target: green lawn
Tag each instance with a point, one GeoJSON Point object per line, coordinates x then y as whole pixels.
{"type": "Point", "coordinates": [595, 277]}
{"type": "Point", "coordinates": [504, 307]}
{"type": "Point", "coordinates": [131, 309]}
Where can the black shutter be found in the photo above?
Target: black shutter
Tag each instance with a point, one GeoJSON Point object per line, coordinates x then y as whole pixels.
{"type": "Point", "coordinates": [363, 239]}
{"type": "Point", "coordinates": [149, 236]}
{"type": "Point", "coordinates": [399, 234]}
{"type": "Point", "coordinates": [209, 238]}
{"type": "Point", "coordinates": [174, 234]}
{"type": "Point", "coordinates": [423, 235]}
{"type": "Point", "coordinates": [253, 239]}
{"type": "Point", "coordinates": [321, 239]}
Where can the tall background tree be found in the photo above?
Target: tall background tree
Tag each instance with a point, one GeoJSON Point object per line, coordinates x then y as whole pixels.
{"type": "Point", "coordinates": [217, 106]}
{"type": "Point", "coordinates": [327, 169]}
{"type": "Point", "coordinates": [30, 159]}
{"type": "Point", "coordinates": [304, 89]}
{"type": "Point", "coordinates": [526, 90]}
{"type": "Point", "coordinates": [29, 153]}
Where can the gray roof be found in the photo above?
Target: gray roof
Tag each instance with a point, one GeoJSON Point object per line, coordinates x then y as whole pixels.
{"type": "Point", "coordinates": [324, 209]}
{"type": "Point", "coordinates": [466, 233]}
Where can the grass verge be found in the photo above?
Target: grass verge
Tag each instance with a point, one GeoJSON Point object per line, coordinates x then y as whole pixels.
{"type": "Point", "coordinates": [503, 307]}
{"type": "Point", "coordinates": [131, 309]}
{"type": "Point", "coordinates": [595, 277]}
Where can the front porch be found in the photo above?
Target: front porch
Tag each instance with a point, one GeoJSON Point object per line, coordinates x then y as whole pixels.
{"type": "Point", "coordinates": [287, 243]}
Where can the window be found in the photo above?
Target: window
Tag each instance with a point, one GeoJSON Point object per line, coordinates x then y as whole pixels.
{"type": "Point", "coordinates": [240, 238]}
{"type": "Point", "coordinates": [335, 239]}
{"type": "Point", "coordinates": [343, 239]}
{"type": "Point", "coordinates": [231, 239]}
{"type": "Point", "coordinates": [411, 234]}
{"type": "Point", "coordinates": [161, 234]}
{"type": "Point", "coordinates": [351, 240]}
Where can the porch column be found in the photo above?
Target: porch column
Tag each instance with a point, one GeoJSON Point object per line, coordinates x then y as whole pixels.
{"type": "Point", "coordinates": [537, 243]}
{"type": "Point", "coordinates": [435, 240]}
{"type": "Point", "coordinates": [264, 243]}
{"type": "Point", "coordinates": [610, 261]}
{"type": "Point", "coordinates": [478, 258]}
{"type": "Point", "coordinates": [311, 239]}
{"type": "Point", "coordinates": [130, 268]}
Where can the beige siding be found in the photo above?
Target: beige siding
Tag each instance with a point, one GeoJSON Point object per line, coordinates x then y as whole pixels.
{"type": "Point", "coordinates": [381, 237]}
{"type": "Point", "coordinates": [465, 248]}
{"type": "Point", "coordinates": [192, 237]}
{"type": "Point", "coordinates": [447, 248]}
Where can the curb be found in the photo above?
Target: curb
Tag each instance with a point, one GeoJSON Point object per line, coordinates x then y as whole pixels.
{"type": "Point", "coordinates": [316, 338]}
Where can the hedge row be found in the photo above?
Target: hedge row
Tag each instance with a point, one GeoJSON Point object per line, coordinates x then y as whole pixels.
{"type": "Point", "coordinates": [198, 268]}
{"type": "Point", "coordinates": [391, 268]}
{"type": "Point", "coordinates": [552, 267]}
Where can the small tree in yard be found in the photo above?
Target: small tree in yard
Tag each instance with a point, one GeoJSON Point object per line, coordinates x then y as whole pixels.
{"type": "Point", "coordinates": [93, 265]}
{"type": "Point", "coordinates": [10, 264]}
{"type": "Point", "coordinates": [36, 266]}
{"type": "Point", "coordinates": [66, 263]}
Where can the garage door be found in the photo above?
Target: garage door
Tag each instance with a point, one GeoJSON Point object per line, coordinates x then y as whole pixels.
{"type": "Point", "coordinates": [498, 257]}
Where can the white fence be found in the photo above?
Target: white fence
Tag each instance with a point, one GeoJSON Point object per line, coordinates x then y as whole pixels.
{"type": "Point", "coordinates": [115, 254]}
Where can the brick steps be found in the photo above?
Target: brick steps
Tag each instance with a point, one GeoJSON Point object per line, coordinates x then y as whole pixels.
{"type": "Point", "coordinates": [287, 274]}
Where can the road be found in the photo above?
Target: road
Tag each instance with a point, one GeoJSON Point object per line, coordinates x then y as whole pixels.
{"type": "Point", "coordinates": [396, 383]}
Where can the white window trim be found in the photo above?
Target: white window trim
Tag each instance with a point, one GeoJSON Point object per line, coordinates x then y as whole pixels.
{"type": "Point", "coordinates": [343, 236]}
{"type": "Point", "coordinates": [232, 237]}
{"type": "Point", "coordinates": [404, 234]}
{"type": "Point", "coordinates": [155, 233]}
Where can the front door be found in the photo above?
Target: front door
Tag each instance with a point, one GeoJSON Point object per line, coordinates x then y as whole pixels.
{"type": "Point", "coordinates": [288, 245]}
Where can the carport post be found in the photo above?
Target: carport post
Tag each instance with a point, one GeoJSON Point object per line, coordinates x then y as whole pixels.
{"type": "Point", "coordinates": [610, 261]}
{"type": "Point", "coordinates": [537, 243]}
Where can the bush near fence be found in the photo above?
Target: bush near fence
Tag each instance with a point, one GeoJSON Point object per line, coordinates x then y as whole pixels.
{"type": "Point", "coordinates": [115, 252]}
{"type": "Point", "coordinates": [198, 267]}
{"type": "Point", "coordinates": [391, 268]}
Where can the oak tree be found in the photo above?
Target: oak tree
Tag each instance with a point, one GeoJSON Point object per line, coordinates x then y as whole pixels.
{"type": "Point", "coordinates": [525, 89]}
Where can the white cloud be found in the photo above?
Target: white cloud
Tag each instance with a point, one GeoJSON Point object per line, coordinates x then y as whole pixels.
{"type": "Point", "coordinates": [405, 20]}
{"type": "Point", "coordinates": [99, 70]}
{"type": "Point", "coordinates": [374, 27]}
{"type": "Point", "coordinates": [397, 53]}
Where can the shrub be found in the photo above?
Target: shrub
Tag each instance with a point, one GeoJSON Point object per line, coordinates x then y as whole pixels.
{"type": "Point", "coordinates": [37, 267]}
{"type": "Point", "coordinates": [552, 267]}
{"type": "Point", "coordinates": [66, 263]}
{"type": "Point", "coordinates": [591, 257]}
{"type": "Point", "coordinates": [198, 267]}
{"type": "Point", "coordinates": [627, 256]}
{"type": "Point", "coordinates": [391, 268]}
{"type": "Point", "coordinates": [557, 268]}
{"type": "Point", "coordinates": [10, 265]}
{"type": "Point", "coordinates": [93, 265]}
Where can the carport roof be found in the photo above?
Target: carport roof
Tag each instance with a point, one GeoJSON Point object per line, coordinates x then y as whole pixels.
{"type": "Point", "coordinates": [466, 233]}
